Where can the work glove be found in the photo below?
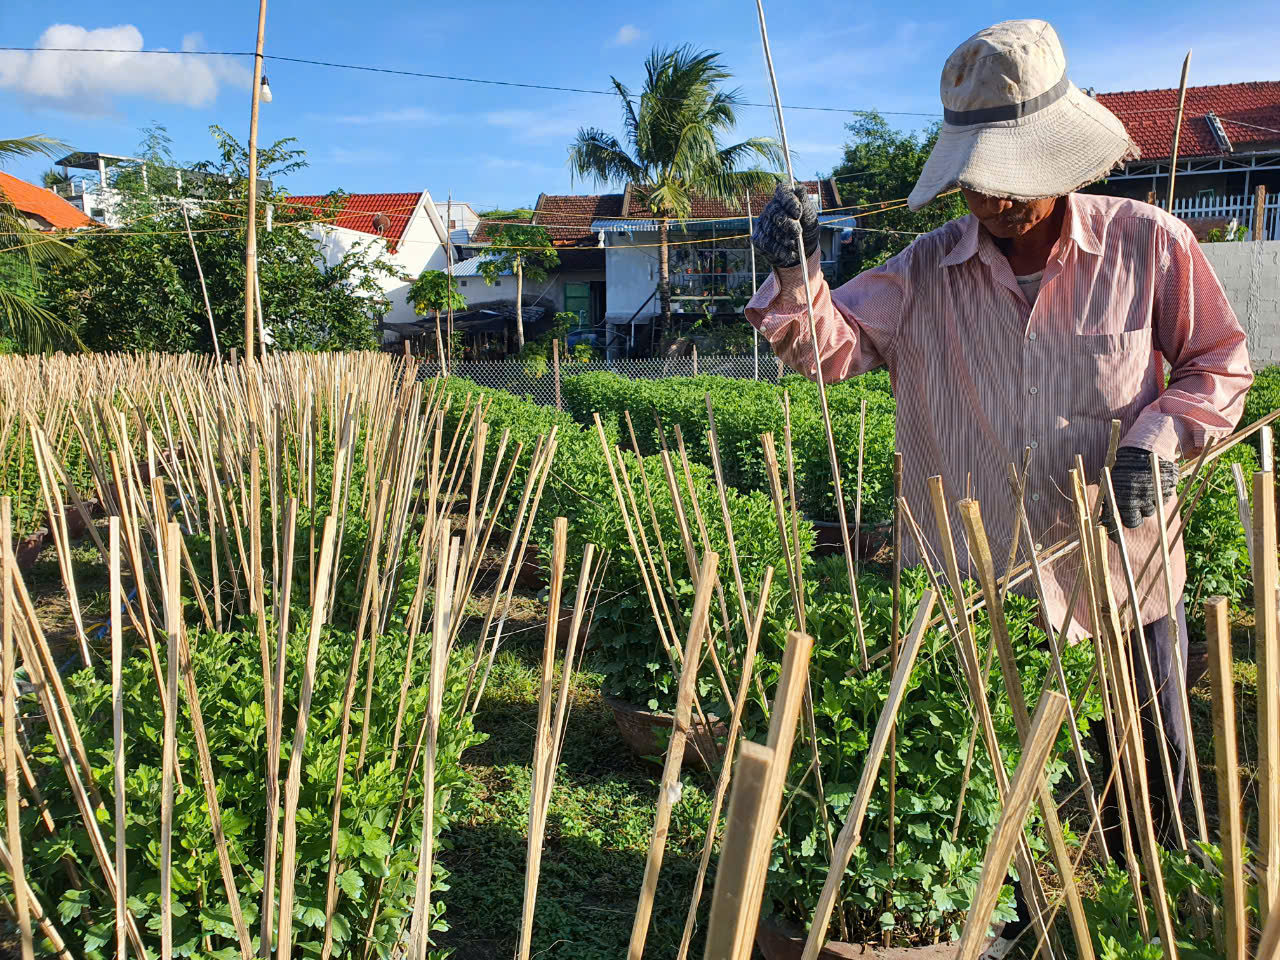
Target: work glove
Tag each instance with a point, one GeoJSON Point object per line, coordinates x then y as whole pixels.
{"type": "Point", "coordinates": [1136, 489]}
{"type": "Point", "coordinates": [775, 231]}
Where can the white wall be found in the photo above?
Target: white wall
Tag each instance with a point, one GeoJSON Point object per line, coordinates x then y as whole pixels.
{"type": "Point", "coordinates": [1250, 275]}
{"type": "Point", "coordinates": [463, 216]}
{"type": "Point", "coordinates": [631, 267]}
{"type": "Point", "coordinates": [549, 293]}
{"type": "Point", "coordinates": [420, 249]}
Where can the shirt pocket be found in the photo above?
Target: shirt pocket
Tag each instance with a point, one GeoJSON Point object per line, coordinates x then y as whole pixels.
{"type": "Point", "coordinates": [1109, 374]}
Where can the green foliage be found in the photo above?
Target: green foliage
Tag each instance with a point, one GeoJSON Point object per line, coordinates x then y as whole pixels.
{"type": "Point", "coordinates": [517, 248]}
{"type": "Point", "coordinates": [934, 873]}
{"type": "Point", "coordinates": [1216, 543]}
{"type": "Point", "coordinates": [746, 409]}
{"type": "Point", "coordinates": [881, 165]}
{"type": "Point", "coordinates": [229, 678]}
{"type": "Point", "coordinates": [433, 292]}
{"type": "Point", "coordinates": [635, 665]}
{"type": "Point", "coordinates": [522, 214]}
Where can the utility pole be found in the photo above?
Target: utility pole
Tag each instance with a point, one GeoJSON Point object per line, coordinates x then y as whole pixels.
{"type": "Point", "coordinates": [251, 241]}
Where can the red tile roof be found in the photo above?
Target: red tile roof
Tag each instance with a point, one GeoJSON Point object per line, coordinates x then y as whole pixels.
{"type": "Point", "coordinates": [44, 204]}
{"type": "Point", "coordinates": [1150, 117]}
{"type": "Point", "coordinates": [704, 208]}
{"type": "Point", "coordinates": [356, 211]}
{"type": "Point", "coordinates": [568, 218]}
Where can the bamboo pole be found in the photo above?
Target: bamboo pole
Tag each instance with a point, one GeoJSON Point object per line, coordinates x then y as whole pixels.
{"type": "Point", "coordinates": [1268, 656]}
{"type": "Point", "coordinates": [37, 912]}
{"type": "Point", "coordinates": [213, 332]}
{"type": "Point", "coordinates": [115, 598]}
{"type": "Point", "coordinates": [10, 718]}
{"type": "Point", "coordinates": [670, 786]}
{"type": "Point", "coordinates": [1235, 943]}
{"type": "Point", "coordinates": [813, 340]}
{"type": "Point", "coordinates": [251, 242]}
{"type": "Point", "coordinates": [851, 833]}
{"type": "Point", "coordinates": [746, 823]}
{"type": "Point", "coordinates": [1177, 130]}
{"type": "Point", "coordinates": [543, 739]}
{"type": "Point", "coordinates": [1022, 789]}
{"type": "Point", "coordinates": [172, 629]}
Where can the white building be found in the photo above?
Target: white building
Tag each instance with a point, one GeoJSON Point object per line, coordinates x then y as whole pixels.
{"type": "Point", "coordinates": [709, 257]}
{"type": "Point", "coordinates": [404, 229]}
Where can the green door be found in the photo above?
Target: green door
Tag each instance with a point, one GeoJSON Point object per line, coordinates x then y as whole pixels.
{"type": "Point", "coordinates": [577, 299]}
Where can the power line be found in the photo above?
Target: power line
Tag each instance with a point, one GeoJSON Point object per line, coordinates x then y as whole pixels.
{"type": "Point", "coordinates": [425, 76]}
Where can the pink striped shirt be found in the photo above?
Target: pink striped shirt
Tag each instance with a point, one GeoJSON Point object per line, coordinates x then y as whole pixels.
{"type": "Point", "coordinates": [979, 373]}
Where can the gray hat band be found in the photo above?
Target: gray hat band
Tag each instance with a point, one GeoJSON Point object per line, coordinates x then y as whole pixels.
{"type": "Point", "coordinates": [1012, 111]}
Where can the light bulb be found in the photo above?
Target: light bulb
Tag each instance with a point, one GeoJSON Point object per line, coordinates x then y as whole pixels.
{"type": "Point", "coordinates": [265, 90]}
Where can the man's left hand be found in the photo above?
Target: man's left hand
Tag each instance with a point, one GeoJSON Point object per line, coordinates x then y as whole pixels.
{"type": "Point", "coordinates": [1135, 487]}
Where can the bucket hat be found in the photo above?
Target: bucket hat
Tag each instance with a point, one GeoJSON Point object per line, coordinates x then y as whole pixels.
{"type": "Point", "coordinates": [1014, 125]}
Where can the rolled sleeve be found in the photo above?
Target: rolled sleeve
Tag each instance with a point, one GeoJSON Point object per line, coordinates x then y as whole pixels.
{"type": "Point", "coordinates": [1198, 334]}
{"type": "Point", "coordinates": [855, 323]}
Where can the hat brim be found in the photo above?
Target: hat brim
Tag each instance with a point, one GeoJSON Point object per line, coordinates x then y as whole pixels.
{"type": "Point", "coordinates": [1067, 145]}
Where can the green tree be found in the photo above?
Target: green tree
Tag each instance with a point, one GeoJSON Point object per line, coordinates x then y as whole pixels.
{"type": "Point", "coordinates": [880, 167]}
{"type": "Point", "coordinates": [671, 152]}
{"type": "Point", "coordinates": [140, 289]}
{"type": "Point", "coordinates": [25, 320]}
{"type": "Point", "coordinates": [435, 291]}
{"type": "Point", "coordinates": [524, 251]}
{"type": "Point", "coordinates": [51, 179]}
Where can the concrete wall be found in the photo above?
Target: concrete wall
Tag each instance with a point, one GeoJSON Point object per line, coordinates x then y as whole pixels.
{"type": "Point", "coordinates": [631, 266]}
{"type": "Point", "coordinates": [1250, 275]}
{"type": "Point", "coordinates": [549, 293]}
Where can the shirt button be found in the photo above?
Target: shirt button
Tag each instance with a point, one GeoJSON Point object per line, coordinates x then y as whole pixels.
{"type": "Point", "coordinates": [1039, 547]}
{"type": "Point", "coordinates": [1031, 335]}
{"type": "Point", "coordinates": [1033, 391]}
{"type": "Point", "coordinates": [1034, 444]}
{"type": "Point", "coordinates": [1035, 498]}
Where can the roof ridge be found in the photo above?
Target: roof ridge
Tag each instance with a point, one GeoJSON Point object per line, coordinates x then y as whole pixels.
{"type": "Point", "coordinates": [1190, 87]}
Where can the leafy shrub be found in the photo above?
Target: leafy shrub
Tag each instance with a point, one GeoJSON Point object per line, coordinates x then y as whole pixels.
{"type": "Point", "coordinates": [228, 675]}
{"type": "Point", "coordinates": [933, 874]}
{"type": "Point", "coordinates": [1216, 544]}
{"type": "Point", "coordinates": [1263, 397]}
{"type": "Point", "coordinates": [745, 409]}
{"type": "Point", "coordinates": [580, 489]}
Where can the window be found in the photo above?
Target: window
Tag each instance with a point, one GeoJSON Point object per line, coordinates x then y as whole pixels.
{"type": "Point", "coordinates": [453, 224]}
{"type": "Point", "coordinates": [719, 269]}
{"type": "Point", "coordinates": [462, 283]}
{"type": "Point", "coordinates": [497, 283]}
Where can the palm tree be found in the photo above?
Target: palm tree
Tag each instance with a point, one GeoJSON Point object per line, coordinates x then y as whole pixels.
{"type": "Point", "coordinates": [673, 152]}
{"type": "Point", "coordinates": [23, 251]}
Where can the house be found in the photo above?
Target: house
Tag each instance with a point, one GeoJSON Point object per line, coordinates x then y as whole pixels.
{"type": "Point", "coordinates": [404, 229]}
{"type": "Point", "coordinates": [709, 258]}
{"type": "Point", "coordinates": [462, 220]}
{"type": "Point", "coordinates": [43, 209]}
{"type": "Point", "coordinates": [577, 284]}
{"type": "Point", "coordinates": [1229, 145]}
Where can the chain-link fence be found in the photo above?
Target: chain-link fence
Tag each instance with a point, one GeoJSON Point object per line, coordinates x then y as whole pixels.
{"type": "Point", "coordinates": [538, 382]}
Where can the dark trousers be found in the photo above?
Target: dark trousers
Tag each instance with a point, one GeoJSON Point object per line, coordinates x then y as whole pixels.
{"type": "Point", "coordinates": [1159, 639]}
{"type": "Point", "coordinates": [1160, 642]}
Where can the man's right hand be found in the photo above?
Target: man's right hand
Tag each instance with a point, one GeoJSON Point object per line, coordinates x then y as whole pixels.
{"type": "Point", "coordinates": [776, 236]}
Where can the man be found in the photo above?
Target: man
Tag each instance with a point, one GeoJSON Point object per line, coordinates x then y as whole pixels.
{"type": "Point", "coordinates": [1032, 322]}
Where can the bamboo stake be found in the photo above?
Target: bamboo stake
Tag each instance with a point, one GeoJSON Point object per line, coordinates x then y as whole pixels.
{"type": "Point", "coordinates": [746, 824]}
{"type": "Point", "coordinates": [1268, 656]}
{"type": "Point", "coordinates": [671, 786]}
{"type": "Point", "coordinates": [36, 911]}
{"type": "Point", "coordinates": [1177, 130]}
{"type": "Point", "coordinates": [857, 509]}
{"type": "Point", "coordinates": [813, 340]}
{"type": "Point", "coordinates": [284, 939]}
{"type": "Point", "coordinates": [980, 552]}
{"type": "Point", "coordinates": [543, 741]}
{"type": "Point", "coordinates": [1022, 789]}
{"type": "Point", "coordinates": [172, 628]}
{"type": "Point", "coordinates": [115, 595]}
{"type": "Point", "coordinates": [1235, 943]}
{"type": "Point", "coordinates": [722, 782]}
{"type": "Point", "coordinates": [851, 833]}
{"type": "Point", "coordinates": [13, 826]}
{"type": "Point", "coordinates": [795, 506]}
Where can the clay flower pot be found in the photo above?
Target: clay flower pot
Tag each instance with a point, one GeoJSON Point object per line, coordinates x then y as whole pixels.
{"type": "Point", "coordinates": [646, 733]}
{"type": "Point", "coordinates": [777, 941]}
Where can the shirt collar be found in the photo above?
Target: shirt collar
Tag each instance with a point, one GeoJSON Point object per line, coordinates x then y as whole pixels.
{"type": "Point", "coordinates": [1077, 228]}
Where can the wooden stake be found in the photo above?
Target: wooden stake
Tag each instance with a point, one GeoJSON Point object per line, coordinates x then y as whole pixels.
{"type": "Point", "coordinates": [115, 599]}
{"type": "Point", "coordinates": [1177, 130]}
{"type": "Point", "coordinates": [745, 826]}
{"type": "Point", "coordinates": [172, 628]}
{"type": "Point", "coordinates": [251, 244]}
{"type": "Point", "coordinates": [1268, 656]}
{"type": "Point", "coordinates": [851, 833]}
{"type": "Point", "coordinates": [1230, 832]}
{"type": "Point", "coordinates": [11, 797]}
{"type": "Point", "coordinates": [670, 787]}
{"type": "Point", "coordinates": [1022, 789]}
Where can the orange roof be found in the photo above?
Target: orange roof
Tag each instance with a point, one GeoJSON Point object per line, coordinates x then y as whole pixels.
{"type": "Point", "coordinates": [45, 204]}
{"type": "Point", "coordinates": [1250, 115]}
{"type": "Point", "coordinates": [359, 209]}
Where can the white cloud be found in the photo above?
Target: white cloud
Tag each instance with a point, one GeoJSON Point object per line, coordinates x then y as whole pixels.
{"type": "Point", "coordinates": [400, 116]}
{"type": "Point", "coordinates": [359, 156]}
{"type": "Point", "coordinates": [627, 34]}
{"type": "Point", "coordinates": [89, 82]}
{"type": "Point", "coordinates": [534, 124]}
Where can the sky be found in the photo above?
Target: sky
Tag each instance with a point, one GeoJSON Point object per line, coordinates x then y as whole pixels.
{"type": "Point", "coordinates": [498, 146]}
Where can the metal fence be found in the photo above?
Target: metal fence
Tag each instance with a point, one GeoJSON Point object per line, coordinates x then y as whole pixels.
{"type": "Point", "coordinates": [539, 384]}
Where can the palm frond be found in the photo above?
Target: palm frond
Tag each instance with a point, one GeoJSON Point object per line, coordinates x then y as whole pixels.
{"type": "Point", "coordinates": [30, 146]}
{"type": "Point", "coordinates": [33, 328]}
{"type": "Point", "coordinates": [599, 155]}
